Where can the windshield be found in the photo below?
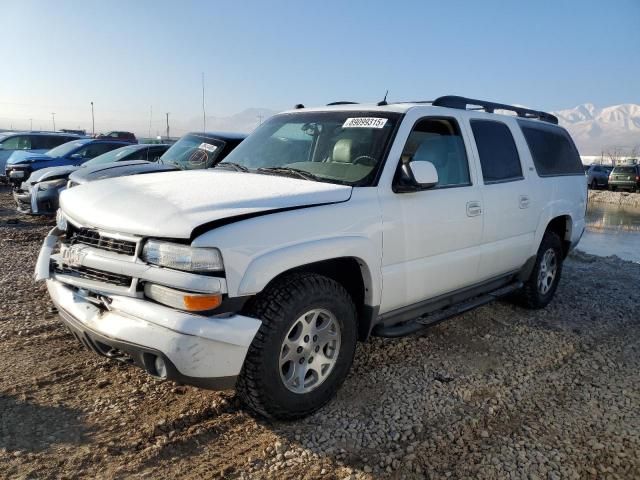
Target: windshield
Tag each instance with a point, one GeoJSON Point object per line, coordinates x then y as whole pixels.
{"type": "Point", "coordinates": [64, 149]}
{"type": "Point", "coordinates": [337, 147]}
{"type": "Point", "coordinates": [193, 152]}
{"type": "Point", "coordinates": [112, 156]}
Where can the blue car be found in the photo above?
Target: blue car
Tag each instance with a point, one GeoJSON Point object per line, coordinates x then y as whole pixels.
{"type": "Point", "coordinates": [34, 142]}
{"type": "Point", "coordinates": [21, 165]}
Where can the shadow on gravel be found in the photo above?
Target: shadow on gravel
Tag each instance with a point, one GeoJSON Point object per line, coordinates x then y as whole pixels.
{"type": "Point", "coordinates": [33, 428]}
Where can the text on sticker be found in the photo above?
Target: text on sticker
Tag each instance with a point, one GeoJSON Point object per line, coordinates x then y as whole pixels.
{"type": "Point", "coordinates": [364, 122]}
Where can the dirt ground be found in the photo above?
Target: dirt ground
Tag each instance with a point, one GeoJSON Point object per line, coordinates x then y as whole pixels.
{"type": "Point", "coordinates": [499, 392]}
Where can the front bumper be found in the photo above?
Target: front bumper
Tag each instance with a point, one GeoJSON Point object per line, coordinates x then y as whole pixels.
{"type": "Point", "coordinates": [37, 202]}
{"type": "Point", "coordinates": [199, 350]}
{"type": "Point", "coordinates": [16, 175]}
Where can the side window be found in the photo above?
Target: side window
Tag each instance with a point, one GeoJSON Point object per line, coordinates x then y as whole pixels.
{"type": "Point", "coordinates": [439, 141]}
{"type": "Point", "coordinates": [499, 157]}
{"type": "Point", "coordinates": [552, 150]}
{"type": "Point", "coordinates": [19, 142]}
{"type": "Point", "coordinates": [96, 149]}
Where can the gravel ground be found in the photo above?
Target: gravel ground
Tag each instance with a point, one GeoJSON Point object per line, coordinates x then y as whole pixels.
{"type": "Point", "coordinates": [624, 199]}
{"type": "Point", "coordinates": [499, 392]}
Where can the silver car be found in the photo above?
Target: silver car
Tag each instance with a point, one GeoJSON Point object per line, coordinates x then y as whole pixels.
{"type": "Point", "coordinates": [597, 176]}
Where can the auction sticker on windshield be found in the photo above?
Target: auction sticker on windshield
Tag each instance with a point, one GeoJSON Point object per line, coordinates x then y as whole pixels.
{"type": "Point", "coordinates": [364, 122]}
{"type": "Point", "coordinates": [207, 147]}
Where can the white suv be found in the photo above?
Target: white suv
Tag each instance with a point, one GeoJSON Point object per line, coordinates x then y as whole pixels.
{"type": "Point", "coordinates": [323, 227]}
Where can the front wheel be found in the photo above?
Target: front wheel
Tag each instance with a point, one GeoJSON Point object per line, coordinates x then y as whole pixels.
{"type": "Point", "coordinates": [303, 349]}
{"type": "Point", "coordinates": [541, 285]}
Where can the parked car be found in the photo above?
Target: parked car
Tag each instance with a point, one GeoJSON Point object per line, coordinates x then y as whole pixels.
{"type": "Point", "coordinates": [38, 195]}
{"type": "Point", "coordinates": [323, 227]}
{"type": "Point", "coordinates": [625, 177]}
{"type": "Point", "coordinates": [124, 136]}
{"type": "Point", "coordinates": [33, 142]}
{"type": "Point", "coordinates": [195, 150]}
{"type": "Point", "coordinates": [21, 165]}
{"type": "Point", "coordinates": [597, 176]}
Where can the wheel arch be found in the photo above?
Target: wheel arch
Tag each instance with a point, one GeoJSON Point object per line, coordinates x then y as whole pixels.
{"type": "Point", "coordinates": [356, 273]}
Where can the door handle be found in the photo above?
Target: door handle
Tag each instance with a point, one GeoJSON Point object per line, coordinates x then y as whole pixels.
{"type": "Point", "coordinates": [524, 201]}
{"type": "Point", "coordinates": [474, 209]}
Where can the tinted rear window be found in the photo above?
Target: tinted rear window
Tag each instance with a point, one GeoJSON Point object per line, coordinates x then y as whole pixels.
{"type": "Point", "coordinates": [499, 157]}
{"type": "Point", "coordinates": [552, 150]}
{"type": "Point", "coordinates": [627, 170]}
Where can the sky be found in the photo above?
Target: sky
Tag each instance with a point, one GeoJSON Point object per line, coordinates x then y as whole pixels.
{"type": "Point", "coordinates": [130, 57]}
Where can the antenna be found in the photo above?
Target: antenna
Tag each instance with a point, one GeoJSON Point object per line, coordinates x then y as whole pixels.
{"type": "Point", "coordinates": [204, 115]}
{"type": "Point", "coordinates": [384, 100]}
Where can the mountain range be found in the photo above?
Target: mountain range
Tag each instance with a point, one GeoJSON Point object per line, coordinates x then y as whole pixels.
{"type": "Point", "coordinates": [600, 129]}
{"type": "Point", "coordinates": [593, 129]}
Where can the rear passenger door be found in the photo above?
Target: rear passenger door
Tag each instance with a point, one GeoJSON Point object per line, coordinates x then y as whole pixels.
{"type": "Point", "coordinates": [509, 215]}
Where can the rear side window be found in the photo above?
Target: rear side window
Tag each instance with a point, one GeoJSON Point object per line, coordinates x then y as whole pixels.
{"type": "Point", "coordinates": [552, 150]}
{"type": "Point", "coordinates": [499, 157]}
{"type": "Point", "coordinates": [19, 142]}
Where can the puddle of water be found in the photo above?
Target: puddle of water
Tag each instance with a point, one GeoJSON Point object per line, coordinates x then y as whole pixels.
{"type": "Point", "coordinates": [612, 230]}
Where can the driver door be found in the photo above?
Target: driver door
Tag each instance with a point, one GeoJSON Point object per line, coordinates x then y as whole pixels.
{"type": "Point", "coordinates": [432, 237]}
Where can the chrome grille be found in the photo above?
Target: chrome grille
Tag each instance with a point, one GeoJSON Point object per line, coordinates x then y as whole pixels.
{"type": "Point", "coordinates": [93, 274]}
{"type": "Point", "coordinates": [87, 236]}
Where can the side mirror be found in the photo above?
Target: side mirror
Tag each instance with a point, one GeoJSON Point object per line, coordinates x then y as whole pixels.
{"type": "Point", "coordinates": [415, 176]}
{"type": "Point", "coordinates": [424, 174]}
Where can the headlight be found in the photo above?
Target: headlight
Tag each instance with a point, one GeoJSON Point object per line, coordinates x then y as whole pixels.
{"type": "Point", "coordinates": [61, 221]}
{"type": "Point", "coordinates": [61, 182]}
{"type": "Point", "coordinates": [182, 257]}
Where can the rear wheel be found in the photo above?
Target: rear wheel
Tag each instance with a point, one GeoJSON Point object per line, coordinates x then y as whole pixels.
{"type": "Point", "coordinates": [303, 349]}
{"type": "Point", "coordinates": [541, 285]}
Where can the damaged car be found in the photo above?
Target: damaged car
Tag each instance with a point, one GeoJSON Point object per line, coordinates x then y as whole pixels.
{"type": "Point", "coordinates": [193, 151]}
{"type": "Point", "coordinates": [20, 165]}
{"type": "Point", "coordinates": [38, 195]}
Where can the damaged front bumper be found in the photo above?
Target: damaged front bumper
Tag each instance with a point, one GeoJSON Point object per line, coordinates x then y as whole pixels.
{"type": "Point", "coordinates": [119, 323]}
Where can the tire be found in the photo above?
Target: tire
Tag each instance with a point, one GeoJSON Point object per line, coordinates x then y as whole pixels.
{"type": "Point", "coordinates": [537, 293]}
{"type": "Point", "coordinates": [612, 188]}
{"type": "Point", "coordinates": [266, 385]}
{"type": "Point", "coordinates": [594, 184]}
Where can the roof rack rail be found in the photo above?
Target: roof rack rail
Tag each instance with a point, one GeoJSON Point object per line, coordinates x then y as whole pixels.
{"type": "Point", "coordinates": [453, 101]}
{"type": "Point", "coordinates": [341, 103]}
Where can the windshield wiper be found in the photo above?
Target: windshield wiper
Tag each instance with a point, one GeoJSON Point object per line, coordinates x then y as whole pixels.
{"type": "Point", "coordinates": [292, 172]}
{"type": "Point", "coordinates": [235, 166]}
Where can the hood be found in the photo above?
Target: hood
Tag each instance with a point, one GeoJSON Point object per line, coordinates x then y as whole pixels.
{"type": "Point", "coordinates": [51, 173]}
{"type": "Point", "coordinates": [173, 204]}
{"type": "Point", "coordinates": [22, 157]}
{"type": "Point", "coordinates": [118, 169]}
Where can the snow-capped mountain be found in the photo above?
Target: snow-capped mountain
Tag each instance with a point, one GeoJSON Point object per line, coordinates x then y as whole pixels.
{"type": "Point", "coordinates": [599, 129]}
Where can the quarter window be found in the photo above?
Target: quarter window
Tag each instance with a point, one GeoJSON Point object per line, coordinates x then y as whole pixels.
{"type": "Point", "coordinates": [438, 140]}
{"type": "Point", "coordinates": [552, 150]}
{"type": "Point", "coordinates": [499, 157]}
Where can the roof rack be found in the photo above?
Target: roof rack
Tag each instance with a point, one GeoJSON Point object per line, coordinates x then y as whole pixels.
{"type": "Point", "coordinates": [453, 101]}
{"type": "Point", "coordinates": [341, 103]}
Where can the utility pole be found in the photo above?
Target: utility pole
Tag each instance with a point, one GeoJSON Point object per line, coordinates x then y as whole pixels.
{"type": "Point", "coordinates": [204, 115]}
{"type": "Point", "coordinates": [93, 122]}
{"type": "Point", "coordinates": [53, 118]}
{"type": "Point", "coordinates": [168, 125]}
{"type": "Point", "coordinates": [150, 117]}
{"type": "Point", "coordinates": [31, 124]}
{"type": "Point", "coordinates": [260, 119]}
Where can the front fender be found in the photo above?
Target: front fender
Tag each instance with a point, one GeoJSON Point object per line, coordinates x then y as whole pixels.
{"type": "Point", "coordinates": [266, 267]}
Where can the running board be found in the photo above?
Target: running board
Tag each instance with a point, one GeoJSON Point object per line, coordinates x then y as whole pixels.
{"type": "Point", "coordinates": [432, 318]}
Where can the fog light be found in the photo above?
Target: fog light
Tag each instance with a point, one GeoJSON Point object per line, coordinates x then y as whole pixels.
{"type": "Point", "coordinates": [161, 367]}
{"type": "Point", "coordinates": [192, 302]}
